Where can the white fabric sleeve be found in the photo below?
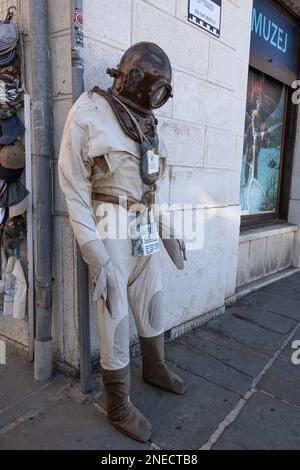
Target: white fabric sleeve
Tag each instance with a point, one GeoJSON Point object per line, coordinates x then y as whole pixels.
{"type": "Point", "coordinates": [74, 168]}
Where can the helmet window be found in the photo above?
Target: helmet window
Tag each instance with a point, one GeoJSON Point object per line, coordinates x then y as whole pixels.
{"type": "Point", "coordinates": [160, 96]}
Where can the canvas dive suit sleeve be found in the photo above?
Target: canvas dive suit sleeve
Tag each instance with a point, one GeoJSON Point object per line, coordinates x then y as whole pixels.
{"type": "Point", "coordinates": [74, 168]}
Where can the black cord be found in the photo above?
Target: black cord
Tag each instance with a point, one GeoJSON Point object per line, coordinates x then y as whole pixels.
{"type": "Point", "coordinates": [10, 14]}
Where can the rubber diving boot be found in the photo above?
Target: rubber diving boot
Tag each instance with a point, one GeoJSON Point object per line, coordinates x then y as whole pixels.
{"type": "Point", "coordinates": [155, 371]}
{"type": "Point", "coordinates": [120, 412]}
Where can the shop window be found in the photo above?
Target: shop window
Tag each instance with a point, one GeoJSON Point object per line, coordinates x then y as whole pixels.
{"type": "Point", "coordinates": [271, 116]}
{"type": "Point", "coordinates": [263, 145]}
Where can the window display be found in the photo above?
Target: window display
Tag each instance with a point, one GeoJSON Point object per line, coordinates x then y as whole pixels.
{"type": "Point", "coordinates": [263, 141]}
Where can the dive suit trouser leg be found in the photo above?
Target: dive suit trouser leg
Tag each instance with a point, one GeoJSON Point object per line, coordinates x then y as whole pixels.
{"type": "Point", "coordinates": [145, 296]}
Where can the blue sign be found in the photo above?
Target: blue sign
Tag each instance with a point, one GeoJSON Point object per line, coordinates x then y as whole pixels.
{"type": "Point", "coordinates": [273, 36]}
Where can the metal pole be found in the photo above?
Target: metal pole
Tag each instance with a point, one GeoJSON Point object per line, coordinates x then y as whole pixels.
{"type": "Point", "coordinates": [30, 232]}
{"type": "Point", "coordinates": [42, 150]}
{"type": "Point", "coordinates": [82, 271]}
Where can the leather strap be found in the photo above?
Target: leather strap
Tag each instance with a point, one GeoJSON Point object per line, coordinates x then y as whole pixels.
{"type": "Point", "coordinates": [123, 118]}
{"type": "Point", "coordinates": [148, 124]}
{"type": "Point", "coordinates": [126, 203]}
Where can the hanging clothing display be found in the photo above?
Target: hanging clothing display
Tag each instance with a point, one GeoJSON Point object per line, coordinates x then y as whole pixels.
{"type": "Point", "coordinates": [10, 285]}
{"type": "Point", "coordinates": [10, 130]}
{"type": "Point", "coordinates": [13, 193]}
{"type": "Point", "coordinates": [2, 270]}
{"type": "Point", "coordinates": [19, 309]}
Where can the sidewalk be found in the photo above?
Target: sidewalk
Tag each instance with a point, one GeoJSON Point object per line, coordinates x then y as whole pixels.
{"type": "Point", "coordinates": [243, 390]}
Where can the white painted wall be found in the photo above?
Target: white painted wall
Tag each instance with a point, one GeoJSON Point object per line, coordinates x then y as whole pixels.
{"type": "Point", "coordinates": [65, 315]}
{"type": "Point", "coordinates": [265, 251]}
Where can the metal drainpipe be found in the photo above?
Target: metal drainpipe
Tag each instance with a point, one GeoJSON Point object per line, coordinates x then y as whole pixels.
{"type": "Point", "coordinates": [82, 271]}
{"type": "Point", "coordinates": [42, 150]}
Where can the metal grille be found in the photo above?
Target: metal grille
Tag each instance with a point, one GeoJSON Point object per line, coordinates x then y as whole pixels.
{"type": "Point", "coordinates": [4, 6]}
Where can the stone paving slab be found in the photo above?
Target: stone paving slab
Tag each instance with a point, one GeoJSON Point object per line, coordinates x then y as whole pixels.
{"type": "Point", "coordinates": [287, 290]}
{"type": "Point", "coordinates": [16, 377]}
{"type": "Point", "coordinates": [288, 351]}
{"type": "Point", "coordinates": [263, 317]}
{"type": "Point", "coordinates": [287, 282]}
{"type": "Point", "coordinates": [182, 422]}
{"type": "Point", "coordinates": [232, 441]}
{"type": "Point", "coordinates": [192, 360]}
{"type": "Point", "coordinates": [264, 423]}
{"type": "Point", "coordinates": [228, 350]}
{"type": "Point", "coordinates": [283, 381]}
{"type": "Point", "coordinates": [33, 402]}
{"type": "Point", "coordinates": [68, 426]}
{"type": "Point", "coordinates": [254, 336]}
{"type": "Point", "coordinates": [273, 302]}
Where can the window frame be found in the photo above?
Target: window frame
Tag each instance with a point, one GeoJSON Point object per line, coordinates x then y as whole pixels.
{"type": "Point", "coordinates": [288, 142]}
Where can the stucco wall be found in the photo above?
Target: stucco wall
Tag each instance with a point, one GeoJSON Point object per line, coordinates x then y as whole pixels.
{"type": "Point", "coordinates": [65, 317]}
{"type": "Point", "coordinates": [202, 126]}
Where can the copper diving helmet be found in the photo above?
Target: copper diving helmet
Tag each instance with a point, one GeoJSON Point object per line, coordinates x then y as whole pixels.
{"type": "Point", "coordinates": [143, 77]}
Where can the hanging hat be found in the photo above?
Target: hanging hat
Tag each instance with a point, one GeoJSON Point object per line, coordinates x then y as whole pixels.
{"type": "Point", "coordinates": [12, 162]}
{"type": "Point", "coordinates": [7, 111]}
{"type": "Point", "coordinates": [18, 209]}
{"type": "Point", "coordinates": [3, 193]}
{"type": "Point", "coordinates": [9, 35]}
{"type": "Point", "coordinates": [15, 229]}
{"type": "Point", "coordinates": [11, 129]}
{"type": "Point", "coordinates": [2, 184]}
{"type": "Point", "coordinates": [8, 57]}
{"type": "Point", "coordinates": [11, 89]}
{"type": "Point", "coordinates": [11, 95]}
{"type": "Point", "coordinates": [16, 193]}
{"type": "Point", "coordinates": [3, 216]}
{"type": "Point", "coordinates": [13, 69]}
